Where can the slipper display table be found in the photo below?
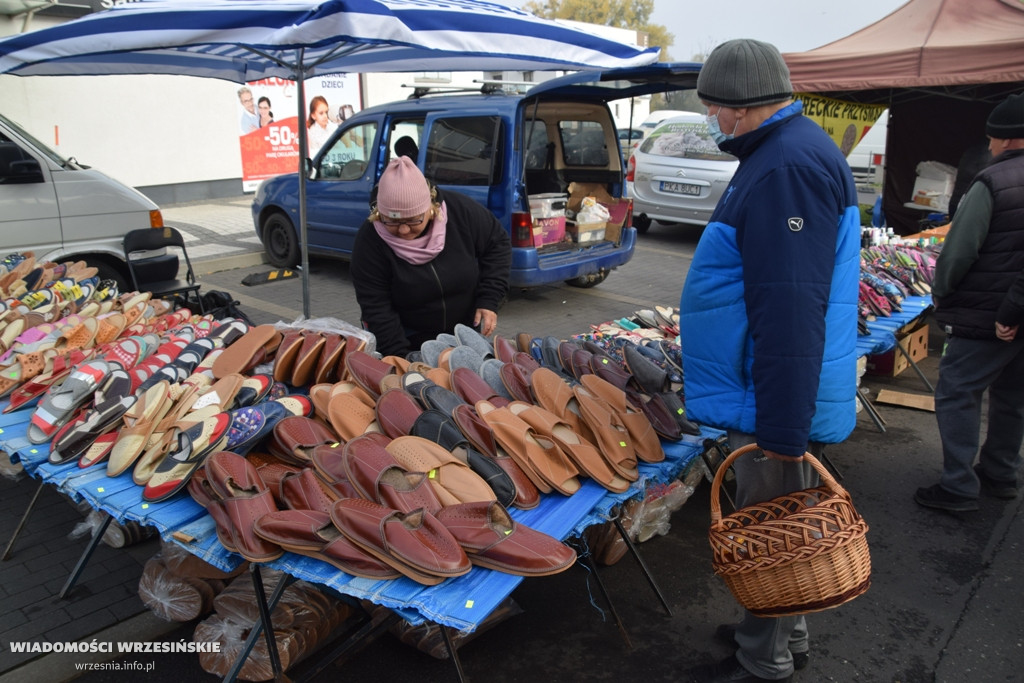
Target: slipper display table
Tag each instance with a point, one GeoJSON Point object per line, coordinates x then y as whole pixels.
{"type": "Point", "coordinates": [885, 336]}
{"type": "Point", "coordinates": [462, 603]}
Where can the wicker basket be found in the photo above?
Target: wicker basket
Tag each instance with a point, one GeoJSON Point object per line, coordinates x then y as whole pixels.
{"type": "Point", "coordinates": [802, 552]}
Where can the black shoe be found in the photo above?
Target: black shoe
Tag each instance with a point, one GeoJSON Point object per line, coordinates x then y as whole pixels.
{"type": "Point", "coordinates": [728, 670]}
{"type": "Point", "coordinates": [994, 487]}
{"type": "Point", "coordinates": [939, 498]}
{"type": "Point", "coordinates": [726, 634]}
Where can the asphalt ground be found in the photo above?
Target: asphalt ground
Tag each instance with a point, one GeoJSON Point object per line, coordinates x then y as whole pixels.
{"type": "Point", "coordinates": [944, 604]}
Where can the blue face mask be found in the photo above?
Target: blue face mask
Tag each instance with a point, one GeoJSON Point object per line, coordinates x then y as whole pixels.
{"type": "Point", "coordinates": [715, 131]}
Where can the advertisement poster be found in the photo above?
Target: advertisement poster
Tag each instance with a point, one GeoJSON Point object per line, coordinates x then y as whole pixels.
{"type": "Point", "coordinates": [845, 122]}
{"type": "Point", "coordinates": [268, 124]}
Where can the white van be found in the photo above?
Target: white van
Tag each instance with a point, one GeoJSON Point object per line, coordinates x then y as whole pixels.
{"type": "Point", "coordinates": [63, 210]}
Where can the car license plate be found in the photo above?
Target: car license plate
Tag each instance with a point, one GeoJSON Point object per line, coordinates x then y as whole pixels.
{"type": "Point", "coordinates": [681, 188]}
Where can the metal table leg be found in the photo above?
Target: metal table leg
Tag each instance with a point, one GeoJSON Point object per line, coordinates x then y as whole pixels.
{"type": "Point", "coordinates": [589, 559]}
{"type": "Point", "coordinates": [21, 524]}
{"type": "Point", "coordinates": [452, 653]}
{"type": "Point", "coordinates": [872, 411]}
{"type": "Point", "coordinates": [913, 364]}
{"type": "Point", "coordinates": [97, 536]}
{"type": "Point", "coordinates": [261, 625]}
{"type": "Point", "coordinates": [643, 565]}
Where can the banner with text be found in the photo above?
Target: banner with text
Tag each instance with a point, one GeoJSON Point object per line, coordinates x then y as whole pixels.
{"type": "Point", "coordinates": [269, 125]}
{"type": "Point", "coordinates": [845, 122]}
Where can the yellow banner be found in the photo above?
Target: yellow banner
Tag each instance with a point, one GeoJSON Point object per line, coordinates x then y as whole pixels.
{"type": "Point", "coordinates": [845, 122]}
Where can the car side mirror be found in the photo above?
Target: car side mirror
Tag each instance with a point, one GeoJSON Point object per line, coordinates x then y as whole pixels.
{"type": "Point", "coordinates": [22, 172]}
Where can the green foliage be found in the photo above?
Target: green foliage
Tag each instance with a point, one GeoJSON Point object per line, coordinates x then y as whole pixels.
{"type": "Point", "coordinates": [631, 14]}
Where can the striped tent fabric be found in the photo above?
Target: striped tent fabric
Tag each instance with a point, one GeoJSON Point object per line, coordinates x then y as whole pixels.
{"type": "Point", "coordinates": [246, 40]}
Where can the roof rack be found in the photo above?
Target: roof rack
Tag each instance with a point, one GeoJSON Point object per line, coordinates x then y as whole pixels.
{"type": "Point", "coordinates": [487, 87]}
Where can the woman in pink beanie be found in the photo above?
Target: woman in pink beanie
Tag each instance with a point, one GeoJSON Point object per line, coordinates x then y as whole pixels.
{"type": "Point", "coordinates": [426, 260]}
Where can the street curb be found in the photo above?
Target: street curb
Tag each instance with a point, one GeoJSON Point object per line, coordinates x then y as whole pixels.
{"type": "Point", "coordinates": [220, 263]}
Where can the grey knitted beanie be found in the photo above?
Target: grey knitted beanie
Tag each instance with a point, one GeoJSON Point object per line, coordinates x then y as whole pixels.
{"type": "Point", "coordinates": [744, 73]}
{"type": "Point", "coordinates": [1006, 122]}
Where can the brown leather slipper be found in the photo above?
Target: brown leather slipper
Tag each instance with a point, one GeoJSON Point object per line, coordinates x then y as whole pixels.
{"type": "Point", "coordinates": [247, 351]}
{"type": "Point", "coordinates": [287, 352]}
{"type": "Point", "coordinates": [308, 358]}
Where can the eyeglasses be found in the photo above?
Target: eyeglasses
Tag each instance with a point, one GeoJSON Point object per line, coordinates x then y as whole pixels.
{"type": "Point", "coordinates": [399, 222]}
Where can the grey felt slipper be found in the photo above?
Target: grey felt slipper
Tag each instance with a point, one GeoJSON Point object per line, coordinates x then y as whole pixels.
{"type": "Point", "coordinates": [465, 357]}
{"type": "Point", "coordinates": [491, 372]}
{"type": "Point", "coordinates": [467, 336]}
{"type": "Point", "coordinates": [449, 339]}
{"type": "Point", "coordinates": [431, 351]}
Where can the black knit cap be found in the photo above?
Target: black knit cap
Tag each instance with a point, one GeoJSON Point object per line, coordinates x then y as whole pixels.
{"type": "Point", "coordinates": [1006, 122]}
{"type": "Point", "coordinates": [744, 73]}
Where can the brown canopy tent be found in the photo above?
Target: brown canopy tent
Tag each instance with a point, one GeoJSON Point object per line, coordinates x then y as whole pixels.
{"type": "Point", "coordinates": [939, 65]}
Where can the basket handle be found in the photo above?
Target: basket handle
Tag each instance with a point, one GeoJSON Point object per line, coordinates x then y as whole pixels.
{"type": "Point", "coordinates": [716, 504]}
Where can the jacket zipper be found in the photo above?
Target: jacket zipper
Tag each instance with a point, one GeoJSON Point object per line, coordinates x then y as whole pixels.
{"type": "Point", "coordinates": [444, 306]}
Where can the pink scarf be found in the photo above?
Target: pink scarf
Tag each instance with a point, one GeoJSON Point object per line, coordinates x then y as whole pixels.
{"type": "Point", "coordinates": [424, 248]}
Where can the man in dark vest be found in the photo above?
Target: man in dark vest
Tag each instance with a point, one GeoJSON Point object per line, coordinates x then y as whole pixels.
{"type": "Point", "coordinates": [980, 261]}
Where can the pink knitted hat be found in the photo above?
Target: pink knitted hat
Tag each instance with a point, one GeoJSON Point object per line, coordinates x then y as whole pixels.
{"type": "Point", "coordinates": [403, 191]}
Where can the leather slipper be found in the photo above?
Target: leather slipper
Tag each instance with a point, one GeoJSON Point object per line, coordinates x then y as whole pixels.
{"type": "Point", "coordinates": [641, 433]}
{"type": "Point", "coordinates": [396, 412]}
{"type": "Point", "coordinates": [245, 498]}
{"type": "Point", "coordinates": [307, 359]}
{"type": "Point", "coordinates": [416, 544]}
{"type": "Point", "coordinates": [287, 352]}
{"type": "Point", "coordinates": [582, 453]}
{"type": "Point", "coordinates": [350, 417]}
{"type": "Point", "coordinates": [312, 534]}
{"type": "Point", "coordinates": [139, 422]}
{"type": "Point", "coordinates": [329, 468]}
{"type": "Point", "coordinates": [492, 539]}
{"type": "Point", "coordinates": [294, 438]}
{"type": "Point", "coordinates": [610, 436]}
{"type": "Point", "coordinates": [538, 455]}
{"type": "Point", "coordinates": [327, 366]}
{"type": "Point", "coordinates": [248, 351]}
{"type": "Point", "coordinates": [480, 436]}
{"type": "Point", "coordinates": [193, 446]}
{"type": "Point", "coordinates": [453, 480]}
{"type": "Point", "coordinates": [376, 475]}
{"type": "Point", "coordinates": [435, 426]}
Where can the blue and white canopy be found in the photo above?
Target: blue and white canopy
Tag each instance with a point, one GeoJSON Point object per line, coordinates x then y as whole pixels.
{"type": "Point", "coordinates": [247, 40]}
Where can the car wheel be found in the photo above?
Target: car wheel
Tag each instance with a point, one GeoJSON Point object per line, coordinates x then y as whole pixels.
{"type": "Point", "coordinates": [280, 241]}
{"type": "Point", "coordinates": [108, 271]}
{"type": "Point", "coordinates": [642, 223]}
{"type": "Point", "coordinates": [588, 281]}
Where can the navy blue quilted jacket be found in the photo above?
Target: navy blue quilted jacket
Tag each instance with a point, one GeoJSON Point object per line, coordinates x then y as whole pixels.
{"type": "Point", "coordinates": [769, 309]}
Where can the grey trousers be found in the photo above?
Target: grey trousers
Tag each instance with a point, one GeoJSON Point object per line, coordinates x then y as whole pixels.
{"type": "Point", "coordinates": [969, 367]}
{"type": "Point", "coordinates": [767, 644]}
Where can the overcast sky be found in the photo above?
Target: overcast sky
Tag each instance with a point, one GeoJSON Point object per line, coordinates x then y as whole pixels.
{"type": "Point", "coordinates": [792, 25]}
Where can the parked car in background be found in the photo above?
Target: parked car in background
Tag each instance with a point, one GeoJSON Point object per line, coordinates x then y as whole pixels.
{"type": "Point", "coordinates": [867, 159]}
{"type": "Point", "coordinates": [63, 210]}
{"type": "Point", "coordinates": [678, 174]}
{"type": "Point", "coordinates": [656, 117]}
{"type": "Point", "coordinates": [628, 137]}
{"type": "Point", "coordinates": [509, 152]}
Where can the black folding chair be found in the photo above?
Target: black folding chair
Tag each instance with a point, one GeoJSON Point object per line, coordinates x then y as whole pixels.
{"type": "Point", "coordinates": [159, 273]}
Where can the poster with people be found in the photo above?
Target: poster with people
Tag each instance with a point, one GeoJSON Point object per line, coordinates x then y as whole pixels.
{"type": "Point", "coordinates": [269, 125]}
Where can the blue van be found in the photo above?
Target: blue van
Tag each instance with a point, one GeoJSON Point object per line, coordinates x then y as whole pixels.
{"type": "Point", "coordinates": [498, 148]}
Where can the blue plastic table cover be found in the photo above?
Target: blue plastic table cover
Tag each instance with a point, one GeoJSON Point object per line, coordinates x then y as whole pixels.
{"type": "Point", "coordinates": [462, 602]}
{"type": "Point", "coordinates": [883, 330]}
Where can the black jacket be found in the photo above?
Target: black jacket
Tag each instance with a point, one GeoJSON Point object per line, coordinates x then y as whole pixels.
{"type": "Point", "coordinates": [404, 305]}
{"type": "Point", "coordinates": [970, 310]}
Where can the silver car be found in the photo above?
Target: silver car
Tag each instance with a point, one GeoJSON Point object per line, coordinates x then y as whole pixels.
{"type": "Point", "coordinates": [678, 174]}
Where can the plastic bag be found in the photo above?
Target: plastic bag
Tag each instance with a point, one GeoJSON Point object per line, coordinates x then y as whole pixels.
{"type": "Point", "coordinates": [117, 535]}
{"type": "Point", "coordinates": [303, 620]}
{"type": "Point", "coordinates": [171, 597]}
{"type": "Point", "coordinates": [592, 212]}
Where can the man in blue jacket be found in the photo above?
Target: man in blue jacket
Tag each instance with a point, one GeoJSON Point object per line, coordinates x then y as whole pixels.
{"type": "Point", "coordinates": [768, 314]}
